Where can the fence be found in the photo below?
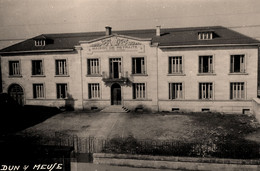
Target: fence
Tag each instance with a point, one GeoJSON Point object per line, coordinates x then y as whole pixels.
{"type": "Point", "coordinates": [130, 145]}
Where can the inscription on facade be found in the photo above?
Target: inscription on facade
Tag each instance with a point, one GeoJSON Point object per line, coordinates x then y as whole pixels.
{"type": "Point", "coordinates": [115, 44]}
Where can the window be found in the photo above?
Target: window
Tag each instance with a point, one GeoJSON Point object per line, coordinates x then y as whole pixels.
{"type": "Point", "coordinates": [37, 67]}
{"type": "Point", "coordinates": [93, 66]}
{"type": "Point", "coordinates": [138, 66]}
{"type": "Point", "coordinates": [139, 91]}
{"type": "Point", "coordinates": [205, 91]}
{"type": "Point", "coordinates": [237, 63]}
{"type": "Point", "coordinates": [205, 35]}
{"type": "Point", "coordinates": [237, 90]}
{"type": "Point", "coordinates": [61, 67]}
{"type": "Point", "coordinates": [175, 91]}
{"type": "Point", "coordinates": [14, 68]}
{"type": "Point", "coordinates": [175, 64]}
{"type": "Point", "coordinates": [205, 64]}
{"type": "Point", "coordinates": [39, 42]}
{"type": "Point", "coordinates": [38, 91]}
{"type": "Point", "coordinates": [93, 91]}
{"type": "Point", "coordinates": [62, 91]}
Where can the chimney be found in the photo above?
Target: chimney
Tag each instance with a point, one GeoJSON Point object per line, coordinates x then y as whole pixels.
{"type": "Point", "coordinates": [108, 30]}
{"type": "Point", "coordinates": [158, 30]}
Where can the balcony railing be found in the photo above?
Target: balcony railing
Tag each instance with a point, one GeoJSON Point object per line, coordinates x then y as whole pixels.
{"type": "Point", "coordinates": [122, 77]}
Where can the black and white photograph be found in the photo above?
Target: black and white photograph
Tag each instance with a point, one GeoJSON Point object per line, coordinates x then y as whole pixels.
{"type": "Point", "coordinates": [129, 85]}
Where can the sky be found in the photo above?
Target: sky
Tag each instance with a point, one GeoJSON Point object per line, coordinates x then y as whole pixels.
{"type": "Point", "coordinates": [23, 19]}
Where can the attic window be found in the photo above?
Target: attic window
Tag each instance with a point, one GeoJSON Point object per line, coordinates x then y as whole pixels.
{"type": "Point", "coordinates": [39, 42]}
{"type": "Point", "coordinates": [205, 35]}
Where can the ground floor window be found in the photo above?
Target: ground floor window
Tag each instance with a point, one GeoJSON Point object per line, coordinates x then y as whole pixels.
{"type": "Point", "coordinates": [38, 91]}
{"type": "Point", "coordinates": [237, 90]}
{"type": "Point", "coordinates": [139, 91]}
{"type": "Point", "coordinates": [175, 91]}
{"type": "Point", "coordinates": [62, 91]}
{"type": "Point", "coordinates": [206, 91]}
{"type": "Point", "coordinates": [93, 91]}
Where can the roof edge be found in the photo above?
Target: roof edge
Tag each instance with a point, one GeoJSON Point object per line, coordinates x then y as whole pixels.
{"type": "Point", "coordinates": [38, 51]}
{"type": "Point", "coordinates": [213, 45]}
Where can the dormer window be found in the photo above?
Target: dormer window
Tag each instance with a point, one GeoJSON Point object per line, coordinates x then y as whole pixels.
{"type": "Point", "coordinates": [39, 42]}
{"type": "Point", "coordinates": [205, 35]}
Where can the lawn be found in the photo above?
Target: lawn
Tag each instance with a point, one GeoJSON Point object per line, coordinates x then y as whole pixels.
{"type": "Point", "coordinates": [181, 134]}
{"type": "Point", "coordinates": [161, 126]}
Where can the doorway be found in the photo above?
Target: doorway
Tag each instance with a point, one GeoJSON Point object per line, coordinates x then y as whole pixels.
{"type": "Point", "coordinates": [116, 94]}
{"type": "Point", "coordinates": [115, 67]}
{"type": "Point", "coordinates": [16, 92]}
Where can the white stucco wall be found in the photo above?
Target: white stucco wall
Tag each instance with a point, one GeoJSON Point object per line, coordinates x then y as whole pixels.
{"type": "Point", "coordinates": [150, 78]}
{"type": "Point", "coordinates": [49, 79]}
{"type": "Point", "coordinates": [221, 79]}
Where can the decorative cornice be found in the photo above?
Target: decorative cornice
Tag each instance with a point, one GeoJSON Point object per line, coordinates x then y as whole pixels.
{"type": "Point", "coordinates": [113, 35]}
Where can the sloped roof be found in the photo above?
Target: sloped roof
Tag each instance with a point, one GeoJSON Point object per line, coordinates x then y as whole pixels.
{"type": "Point", "coordinates": [169, 37]}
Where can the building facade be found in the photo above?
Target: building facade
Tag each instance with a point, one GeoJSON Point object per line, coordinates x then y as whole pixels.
{"type": "Point", "coordinates": [185, 69]}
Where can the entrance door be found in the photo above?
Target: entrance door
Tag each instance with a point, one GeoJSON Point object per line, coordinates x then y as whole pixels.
{"type": "Point", "coordinates": [16, 92]}
{"type": "Point", "coordinates": [115, 94]}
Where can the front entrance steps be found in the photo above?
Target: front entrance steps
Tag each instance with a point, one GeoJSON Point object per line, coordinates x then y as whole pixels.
{"type": "Point", "coordinates": [115, 109]}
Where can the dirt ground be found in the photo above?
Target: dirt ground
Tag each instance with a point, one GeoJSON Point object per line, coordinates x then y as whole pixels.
{"type": "Point", "coordinates": [159, 126]}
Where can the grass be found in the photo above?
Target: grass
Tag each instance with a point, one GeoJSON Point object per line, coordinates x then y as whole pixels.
{"type": "Point", "coordinates": [189, 134]}
{"type": "Point", "coordinates": [190, 127]}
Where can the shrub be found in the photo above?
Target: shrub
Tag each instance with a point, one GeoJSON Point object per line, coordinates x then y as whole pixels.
{"type": "Point", "coordinates": [240, 149]}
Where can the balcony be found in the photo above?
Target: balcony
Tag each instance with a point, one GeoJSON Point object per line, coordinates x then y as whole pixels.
{"type": "Point", "coordinates": [110, 78]}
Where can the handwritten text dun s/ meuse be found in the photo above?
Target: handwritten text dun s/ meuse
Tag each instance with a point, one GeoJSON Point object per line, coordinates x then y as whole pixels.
{"type": "Point", "coordinates": [47, 167]}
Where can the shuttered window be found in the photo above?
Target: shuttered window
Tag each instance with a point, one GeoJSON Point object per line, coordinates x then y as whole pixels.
{"type": "Point", "coordinates": [205, 64]}
{"type": "Point", "coordinates": [61, 67]}
{"type": "Point", "coordinates": [237, 63]}
{"type": "Point", "coordinates": [175, 64]}
{"type": "Point", "coordinates": [38, 91]}
{"type": "Point", "coordinates": [62, 91]}
{"type": "Point", "coordinates": [37, 67]}
{"type": "Point", "coordinates": [206, 91]}
{"type": "Point", "coordinates": [14, 68]}
{"type": "Point", "coordinates": [94, 91]}
{"type": "Point", "coordinates": [175, 91]}
{"type": "Point", "coordinates": [139, 91]}
{"type": "Point", "coordinates": [237, 90]}
{"type": "Point", "coordinates": [138, 66]}
{"type": "Point", "coordinates": [93, 66]}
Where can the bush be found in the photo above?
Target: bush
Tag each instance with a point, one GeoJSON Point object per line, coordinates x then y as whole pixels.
{"type": "Point", "coordinates": [239, 149]}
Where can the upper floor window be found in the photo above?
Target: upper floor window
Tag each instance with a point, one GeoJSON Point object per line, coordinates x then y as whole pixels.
{"type": "Point", "coordinates": [139, 91]}
{"type": "Point", "coordinates": [175, 91]}
{"type": "Point", "coordinates": [93, 66]}
{"type": "Point", "coordinates": [39, 42]}
{"type": "Point", "coordinates": [62, 91]}
{"type": "Point", "coordinates": [38, 91]}
{"type": "Point", "coordinates": [237, 90]}
{"type": "Point", "coordinates": [138, 66]}
{"type": "Point", "coordinates": [237, 63]}
{"type": "Point", "coordinates": [37, 67]}
{"type": "Point", "coordinates": [205, 64]}
{"type": "Point", "coordinates": [93, 91]}
{"type": "Point", "coordinates": [175, 64]}
{"type": "Point", "coordinates": [14, 68]}
{"type": "Point", "coordinates": [206, 91]}
{"type": "Point", "coordinates": [61, 67]}
{"type": "Point", "coordinates": [205, 35]}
